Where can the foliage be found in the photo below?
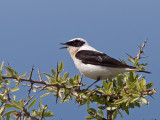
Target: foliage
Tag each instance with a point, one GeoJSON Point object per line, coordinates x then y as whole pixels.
{"type": "Point", "coordinates": [18, 109]}
{"type": "Point", "coordinates": [128, 90]}
{"type": "Point", "coordinates": [125, 91]}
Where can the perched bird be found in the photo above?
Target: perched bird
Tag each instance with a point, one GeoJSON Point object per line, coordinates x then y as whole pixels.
{"type": "Point", "coordinates": [94, 64]}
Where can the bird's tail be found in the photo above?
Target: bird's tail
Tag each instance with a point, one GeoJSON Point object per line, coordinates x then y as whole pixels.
{"type": "Point", "coordinates": [138, 70]}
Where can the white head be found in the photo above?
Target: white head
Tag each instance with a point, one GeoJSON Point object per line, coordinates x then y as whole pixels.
{"type": "Point", "coordinates": [74, 45]}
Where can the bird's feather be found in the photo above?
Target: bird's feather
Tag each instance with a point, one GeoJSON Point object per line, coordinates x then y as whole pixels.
{"type": "Point", "coordinates": [101, 59]}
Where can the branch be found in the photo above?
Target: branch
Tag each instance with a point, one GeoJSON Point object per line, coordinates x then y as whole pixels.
{"type": "Point", "coordinates": [42, 82]}
{"type": "Point", "coordinates": [43, 113]}
{"type": "Point", "coordinates": [141, 50]}
{"type": "Point", "coordinates": [148, 92]}
{"type": "Point", "coordinates": [30, 76]}
{"type": "Point", "coordinates": [109, 114]}
{"type": "Point", "coordinates": [30, 79]}
{"type": "Point", "coordinates": [138, 56]}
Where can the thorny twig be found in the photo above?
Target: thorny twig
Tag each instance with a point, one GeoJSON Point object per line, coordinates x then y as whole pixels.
{"type": "Point", "coordinates": [42, 83]}
{"type": "Point", "coordinates": [43, 113]}
{"type": "Point", "coordinates": [30, 79]}
{"type": "Point", "coordinates": [138, 56]}
{"type": "Point", "coordinates": [57, 87]}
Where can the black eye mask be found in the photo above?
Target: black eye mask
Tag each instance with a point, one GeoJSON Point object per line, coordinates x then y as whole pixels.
{"type": "Point", "coordinates": [75, 43]}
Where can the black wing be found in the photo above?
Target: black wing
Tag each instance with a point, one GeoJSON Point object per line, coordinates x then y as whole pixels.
{"type": "Point", "coordinates": [97, 58]}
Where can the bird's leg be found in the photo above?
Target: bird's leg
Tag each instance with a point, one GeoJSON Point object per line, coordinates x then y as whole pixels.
{"type": "Point", "coordinates": [81, 77]}
{"type": "Point", "coordinates": [98, 78]}
{"type": "Point", "coordinates": [81, 81]}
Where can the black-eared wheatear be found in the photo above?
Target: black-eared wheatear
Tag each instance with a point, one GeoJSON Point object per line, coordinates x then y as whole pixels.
{"type": "Point", "coordinates": [94, 64]}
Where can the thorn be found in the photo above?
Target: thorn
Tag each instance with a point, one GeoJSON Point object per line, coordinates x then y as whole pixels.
{"type": "Point", "coordinates": [30, 76]}
{"type": "Point", "coordinates": [39, 74]}
{"type": "Point", "coordinates": [130, 56]}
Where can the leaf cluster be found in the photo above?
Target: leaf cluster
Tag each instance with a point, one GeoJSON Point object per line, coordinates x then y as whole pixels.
{"type": "Point", "coordinates": [125, 91]}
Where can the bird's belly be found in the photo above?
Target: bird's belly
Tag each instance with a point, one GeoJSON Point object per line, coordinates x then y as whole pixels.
{"type": "Point", "coordinates": [101, 72]}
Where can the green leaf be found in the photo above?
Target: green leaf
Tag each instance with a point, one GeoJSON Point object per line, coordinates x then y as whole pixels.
{"type": "Point", "coordinates": [142, 83]}
{"type": "Point", "coordinates": [2, 65]}
{"type": "Point", "coordinates": [12, 71]}
{"type": "Point", "coordinates": [137, 104]}
{"type": "Point", "coordinates": [137, 85]}
{"type": "Point", "coordinates": [14, 89]}
{"type": "Point", "coordinates": [14, 97]}
{"type": "Point", "coordinates": [2, 110]}
{"type": "Point", "coordinates": [44, 94]}
{"type": "Point", "coordinates": [7, 82]}
{"type": "Point", "coordinates": [144, 101]}
{"type": "Point", "coordinates": [105, 85]}
{"type": "Point", "coordinates": [40, 105]}
{"type": "Point", "coordinates": [136, 62]}
{"type": "Point", "coordinates": [90, 117]}
{"type": "Point", "coordinates": [110, 86]}
{"type": "Point", "coordinates": [100, 113]}
{"type": "Point", "coordinates": [71, 82]}
{"type": "Point", "coordinates": [8, 117]}
{"type": "Point", "coordinates": [49, 77]}
{"type": "Point", "coordinates": [131, 105]}
{"type": "Point", "coordinates": [88, 105]}
{"type": "Point", "coordinates": [24, 75]}
{"type": "Point", "coordinates": [132, 76]}
{"type": "Point", "coordinates": [143, 65]}
{"type": "Point", "coordinates": [134, 99]}
{"type": "Point", "coordinates": [92, 111]}
{"type": "Point", "coordinates": [102, 90]}
{"type": "Point", "coordinates": [119, 80]}
{"type": "Point", "coordinates": [133, 92]}
{"type": "Point", "coordinates": [120, 113]}
{"type": "Point", "coordinates": [9, 112]}
{"type": "Point", "coordinates": [131, 60]}
{"type": "Point", "coordinates": [64, 100]}
{"type": "Point", "coordinates": [0, 76]}
{"type": "Point", "coordinates": [125, 108]}
{"type": "Point", "coordinates": [34, 113]}
{"type": "Point", "coordinates": [9, 70]}
{"type": "Point", "coordinates": [60, 67]}
{"type": "Point", "coordinates": [78, 79]}
{"type": "Point", "coordinates": [125, 99]}
{"type": "Point", "coordinates": [34, 90]}
{"type": "Point", "coordinates": [48, 114]}
{"type": "Point", "coordinates": [53, 72]}
{"type": "Point", "coordinates": [22, 102]}
{"type": "Point", "coordinates": [114, 114]}
{"type": "Point", "coordinates": [7, 106]}
{"type": "Point", "coordinates": [32, 103]}
{"type": "Point", "coordinates": [65, 76]}
{"type": "Point", "coordinates": [127, 111]}
{"type": "Point", "coordinates": [60, 94]}
{"type": "Point", "coordinates": [149, 85]}
{"type": "Point", "coordinates": [16, 105]}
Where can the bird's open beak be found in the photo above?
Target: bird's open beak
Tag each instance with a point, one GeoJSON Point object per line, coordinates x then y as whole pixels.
{"type": "Point", "coordinates": [65, 46]}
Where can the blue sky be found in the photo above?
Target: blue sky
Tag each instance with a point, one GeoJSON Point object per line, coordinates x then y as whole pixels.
{"type": "Point", "coordinates": [30, 33]}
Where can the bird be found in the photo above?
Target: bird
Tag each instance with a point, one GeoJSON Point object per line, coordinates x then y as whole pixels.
{"type": "Point", "coordinates": [94, 64]}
